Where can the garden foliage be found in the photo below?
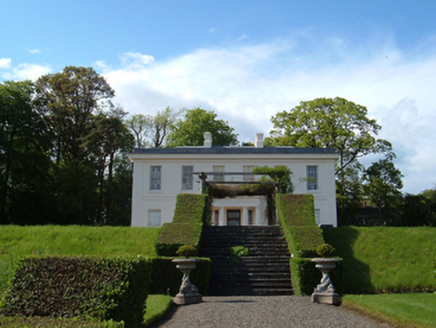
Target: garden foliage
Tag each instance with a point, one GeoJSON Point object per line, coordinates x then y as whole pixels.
{"type": "Point", "coordinates": [297, 217]}
{"type": "Point", "coordinates": [96, 287]}
{"type": "Point", "coordinates": [191, 213]}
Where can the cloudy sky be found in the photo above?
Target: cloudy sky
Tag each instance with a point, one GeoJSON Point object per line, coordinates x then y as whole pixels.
{"type": "Point", "coordinates": [245, 60]}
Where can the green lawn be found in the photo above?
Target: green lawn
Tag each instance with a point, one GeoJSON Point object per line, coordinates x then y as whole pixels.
{"type": "Point", "coordinates": [385, 259]}
{"type": "Point", "coordinates": [405, 310]}
{"type": "Point", "coordinates": [17, 242]}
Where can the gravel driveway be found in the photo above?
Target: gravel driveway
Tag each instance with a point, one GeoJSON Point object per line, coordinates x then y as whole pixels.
{"type": "Point", "coordinates": [263, 311]}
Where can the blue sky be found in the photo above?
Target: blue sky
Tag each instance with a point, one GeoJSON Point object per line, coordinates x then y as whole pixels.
{"type": "Point", "coordinates": [245, 60]}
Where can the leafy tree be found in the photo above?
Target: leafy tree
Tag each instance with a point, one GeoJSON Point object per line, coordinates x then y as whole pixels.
{"type": "Point", "coordinates": [152, 130]}
{"type": "Point", "coordinates": [190, 131]}
{"type": "Point", "coordinates": [343, 125]}
{"type": "Point", "coordinates": [69, 100]}
{"type": "Point", "coordinates": [383, 184]}
{"type": "Point", "coordinates": [109, 137]}
{"type": "Point", "coordinates": [336, 123]}
{"type": "Point", "coordinates": [24, 158]}
{"type": "Point", "coordinates": [140, 125]}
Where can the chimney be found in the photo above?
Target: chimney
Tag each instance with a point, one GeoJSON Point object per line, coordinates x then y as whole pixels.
{"type": "Point", "coordinates": [207, 140]}
{"type": "Point", "coordinates": [258, 141]}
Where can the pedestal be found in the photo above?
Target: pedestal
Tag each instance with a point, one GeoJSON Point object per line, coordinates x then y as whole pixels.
{"type": "Point", "coordinates": [325, 292]}
{"type": "Point", "coordinates": [188, 293]}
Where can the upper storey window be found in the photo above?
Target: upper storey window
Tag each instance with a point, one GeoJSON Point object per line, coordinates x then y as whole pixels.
{"type": "Point", "coordinates": [218, 172]}
{"type": "Point", "coordinates": [155, 177]}
{"type": "Point", "coordinates": [312, 177]}
{"type": "Point", "coordinates": [187, 177]}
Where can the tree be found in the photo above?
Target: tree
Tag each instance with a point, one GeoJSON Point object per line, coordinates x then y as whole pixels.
{"type": "Point", "coordinates": [190, 131]}
{"type": "Point", "coordinates": [383, 184]}
{"type": "Point", "coordinates": [140, 125]}
{"type": "Point", "coordinates": [109, 137]}
{"type": "Point", "coordinates": [24, 160]}
{"type": "Point", "coordinates": [336, 123]}
{"type": "Point", "coordinates": [69, 100]}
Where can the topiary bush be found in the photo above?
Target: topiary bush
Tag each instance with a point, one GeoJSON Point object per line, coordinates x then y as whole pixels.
{"type": "Point", "coordinates": [191, 213]}
{"type": "Point", "coordinates": [96, 287]}
{"type": "Point", "coordinates": [187, 251]}
{"type": "Point", "coordinates": [296, 215]}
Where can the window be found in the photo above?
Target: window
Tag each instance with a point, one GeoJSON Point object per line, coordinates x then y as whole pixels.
{"type": "Point", "coordinates": [155, 177]}
{"type": "Point", "coordinates": [248, 169]}
{"type": "Point", "coordinates": [312, 177]}
{"type": "Point", "coordinates": [216, 217]}
{"type": "Point", "coordinates": [250, 217]}
{"type": "Point", "coordinates": [187, 177]}
{"type": "Point", "coordinates": [218, 173]}
{"type": "Point", "coordinates": [154, 218]}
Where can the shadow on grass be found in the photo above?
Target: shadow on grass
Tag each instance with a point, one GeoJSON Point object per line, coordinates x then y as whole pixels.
{"type": "Point", "coordinates": [356, 274]}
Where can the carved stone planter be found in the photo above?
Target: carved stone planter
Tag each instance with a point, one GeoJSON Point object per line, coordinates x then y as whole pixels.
{"type": "Point", "coordinates": [325, 292]}
{"type": "Point", "coordinates": [188, 293]}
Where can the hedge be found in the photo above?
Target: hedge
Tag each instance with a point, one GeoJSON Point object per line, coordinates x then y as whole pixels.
{"type": "Point", "coordinates": [191, 213]}
{"type": "Point", "coordinates": [167, 278]}
{"type": "Point", "coordinates": [296, 215]}
{"type": "Point", "coordinates": [100, 288]}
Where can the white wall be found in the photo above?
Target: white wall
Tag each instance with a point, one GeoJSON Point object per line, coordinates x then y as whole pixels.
{"type": "Point", "coordinates": [144, 200]}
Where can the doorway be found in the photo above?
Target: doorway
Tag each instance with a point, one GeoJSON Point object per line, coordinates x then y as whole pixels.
{"type": "Point", "coordinates": [233, 217]}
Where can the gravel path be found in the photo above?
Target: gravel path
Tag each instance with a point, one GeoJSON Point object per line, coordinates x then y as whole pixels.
{"type": "Point", "coordinates": [263, 311]}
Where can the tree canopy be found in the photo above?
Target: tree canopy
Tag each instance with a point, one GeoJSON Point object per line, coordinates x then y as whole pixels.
{"type": "Point", "coordinates": [336, 123]}
{"type": "Point", "coordinates": [190, 130]}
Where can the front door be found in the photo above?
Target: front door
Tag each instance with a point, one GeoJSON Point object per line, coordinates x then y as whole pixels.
{"type": "Point", "coordinates": [233, 217]}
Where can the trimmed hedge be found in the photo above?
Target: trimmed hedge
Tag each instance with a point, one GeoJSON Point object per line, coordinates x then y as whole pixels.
{"type": "Point", "coordinates": [167, 278]}
{"type": "Point", "coordinates": [296, 215]}
{"type": "Point", "coordinates": [100, 288]}
{"type": "Point", "coordinates": [191, 213]}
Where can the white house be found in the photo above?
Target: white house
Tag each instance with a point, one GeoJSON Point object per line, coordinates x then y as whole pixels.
{"type": "Point", "coordinates": [159, 174]}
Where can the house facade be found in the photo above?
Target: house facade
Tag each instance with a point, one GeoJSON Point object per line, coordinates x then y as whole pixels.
{"type": "Point", "coordinates": [159, 174]}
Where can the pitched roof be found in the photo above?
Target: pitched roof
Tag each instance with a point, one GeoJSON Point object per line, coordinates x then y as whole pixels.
{"type": "Point", "coordinates": [233, 150]}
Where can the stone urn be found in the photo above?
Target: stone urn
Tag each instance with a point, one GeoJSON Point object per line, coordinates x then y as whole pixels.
{"type": "Point", "coordinates": [325, 292]}
{"type": "Point", "coordinates": [188, 293]}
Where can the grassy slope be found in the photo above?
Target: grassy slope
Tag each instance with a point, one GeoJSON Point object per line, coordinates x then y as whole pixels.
{"type": "Point", "coordinates": [386, 259]}
{"type": "Point", "coordinates": [401, 309]}
{"type": "Point", "coordinates": [17, 242]}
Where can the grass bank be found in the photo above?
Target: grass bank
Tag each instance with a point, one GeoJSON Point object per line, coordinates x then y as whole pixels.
{"type": "Point", "coordinates": [17, 242]}
{"type": "Point", "coordinates": [404, 310]}
{"type": "Point", "coordinates": [385, 259]}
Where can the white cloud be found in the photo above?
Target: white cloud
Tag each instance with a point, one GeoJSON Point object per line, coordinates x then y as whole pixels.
{"type": "Point", "coordinates": [246, 85]}
{"type": "Point", "coordinates": [5, 63]}
{"type": "Point", "coordinates": [34, 51]}
{"type": "Point", "coordinates": [135, 59]}
{"type": "Point", "coordinates": [28, 71]}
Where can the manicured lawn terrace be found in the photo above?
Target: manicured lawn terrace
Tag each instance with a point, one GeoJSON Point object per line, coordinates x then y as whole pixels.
{"type": "Point", "coordinates": [404, 310]}
{"type": "Point", "coordinates": [373, 255]}
{"type": "Point", "coordinates": [17, 242]}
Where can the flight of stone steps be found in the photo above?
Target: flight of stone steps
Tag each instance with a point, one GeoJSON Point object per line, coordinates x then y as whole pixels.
{"type": "Point", "coordinates": [264, 272]}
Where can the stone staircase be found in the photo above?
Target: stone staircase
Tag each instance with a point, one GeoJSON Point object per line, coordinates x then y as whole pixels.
{"type": "Point", "coordinates": [264, 272]}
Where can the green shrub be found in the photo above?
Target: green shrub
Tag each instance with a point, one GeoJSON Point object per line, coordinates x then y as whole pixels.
{"type": "Point", "coordinates": [297, 217]}
{"type": "Point", "coordinates": [325, 250]}
{"type": "Point", "coordinates": [14, 322]}
{"type": "Point", "coordinates": [100, 288]}
{"type": "Point", "coordinates": [167, 278]}
{"type": "Point", "coordinates": [192, 211]}
{"type": "Point", "coordinates": [187, 251]}
{"type": "Point", "coordinates": [239, 251]}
